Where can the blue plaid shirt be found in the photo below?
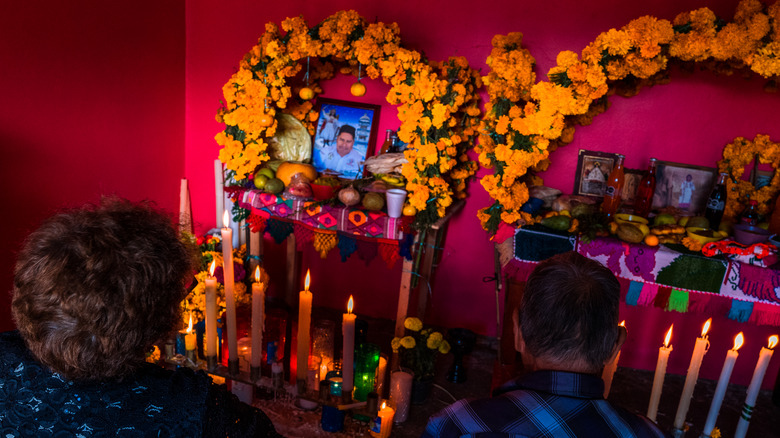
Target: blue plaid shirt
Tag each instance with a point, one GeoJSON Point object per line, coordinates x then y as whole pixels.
{"type": "Point", "coordinates": [541, 404]}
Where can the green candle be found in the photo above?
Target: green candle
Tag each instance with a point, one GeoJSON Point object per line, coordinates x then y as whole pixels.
{"type": "Point", "coordinates": [366, 362]}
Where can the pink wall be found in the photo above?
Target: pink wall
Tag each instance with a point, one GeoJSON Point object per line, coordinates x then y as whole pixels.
{"type": "Point", "coordinates": [92, 104]}
{"type": "Point", "coordinates": [688, 121]}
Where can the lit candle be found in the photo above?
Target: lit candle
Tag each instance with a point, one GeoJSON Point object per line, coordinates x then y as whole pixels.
{"type": "Point", "coordinates": [383, 423]}
{"type": "Point", "coordinates": [702, 344]}
{"type": "Point", "coordinates": [304, 323]}
{"type": "Point", "coordinates": [211, 313]}
{"type": "Point", "coordinates": [230, 298]}
{"type": "Point", "coordinates": [189, 338]}
{"type": "Point", "coordinates": [660, 375]}
{"type": "Point", "coordinates": [258, 316]}
{"type": "Point", "coordinates": [380, 375]}
{"type": "Point", "coordinates": [323, 369]}
{"type": "Point", "coordinates": [219, 190]}
{"type": "Point", "coordinates": [401, 394]}
{"type": "Point", "coordinates": [348, 356]}
{"type": "Point", "coordinates": [610, 368]}
{"type": "Point", "coordinates": [755, 386]}
{"type": "Point", "coordinates": [723, 383]}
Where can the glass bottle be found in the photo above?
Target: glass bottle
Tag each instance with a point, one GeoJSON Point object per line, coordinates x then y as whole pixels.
{"type": "Point", "coordinates": [716, 203]}
{"type": "Point", "coordinates": [614, 187]}
{"type": "Point", "coordinates": [388, 142]}
{"type": "Point", "coordinates": [750, 215]}
{"type": "Point", "coordinates": [644, 193]}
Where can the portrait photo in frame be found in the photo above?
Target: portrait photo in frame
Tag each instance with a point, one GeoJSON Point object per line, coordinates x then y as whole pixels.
{"type": "Point", "coordinates": [593, 168]}
{"type": "Point", "coordinates": [683, 186]}
{"type": "Point", "coordinates": [345, 136]}
{"type": "Point", "coordinates": [630, 185]}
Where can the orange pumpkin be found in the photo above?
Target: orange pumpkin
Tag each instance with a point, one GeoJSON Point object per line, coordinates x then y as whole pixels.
{"type": "Point", "coordinates": [289, 168]}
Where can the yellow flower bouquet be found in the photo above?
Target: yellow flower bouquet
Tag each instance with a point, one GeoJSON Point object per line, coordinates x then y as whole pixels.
{"type": "Point", "coordinates": [418, 349]}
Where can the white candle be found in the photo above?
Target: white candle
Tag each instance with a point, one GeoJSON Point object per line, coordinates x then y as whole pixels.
{"type": "Point", "coordinates": [702, 344]}
{"type": "Point", "coordinates": [230, 298]}
{"type": "Point", "coordinates": [660, 375]}
{"type": "Point", "coordinates": [755, 386]}
{"type": "Point", "coordinates": [380, 375]}
{"type": "Point", "coordinates": [723, 383]}
{"type": "Point", "coordinates": [219, 189]}
{"type": "Point", "coordinates": [401, 394]}
{"type": "Point", "coordinates": [184, 201]}
{"type": "Point", "coordinates": [258, 318]}
{"type": "Point", "coordinates": [304, 324]}
{"type": "Point", "coordinates": [609, 369]}
{"type": "Point", "coordinates": [348, 355]}
{"type": "Point", "coordinates": [383, 423]}
{"type": "Point", "coordinates": [211, 312]}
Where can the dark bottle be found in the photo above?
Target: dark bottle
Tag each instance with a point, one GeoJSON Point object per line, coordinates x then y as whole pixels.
{"type": "Point", "coordinates": [750, 215]}
{"type": "Point", "coordinates": [716, 203]}
{"type": "Point", "coordinates": [644, 193]}
{"type": "Point", "coordinates": [614, 188]}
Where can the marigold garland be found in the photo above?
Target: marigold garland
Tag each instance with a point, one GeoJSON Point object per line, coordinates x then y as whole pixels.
{"type": "Point", "coordinates": [737, 155]}
{"type": "Point", "coordinates": [437, 102]}
{"type": "Point", "coordinates": [524, 122]}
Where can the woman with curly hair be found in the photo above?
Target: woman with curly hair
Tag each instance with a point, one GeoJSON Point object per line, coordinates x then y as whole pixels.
{"type": "Point", "coordinates": [94, 289]}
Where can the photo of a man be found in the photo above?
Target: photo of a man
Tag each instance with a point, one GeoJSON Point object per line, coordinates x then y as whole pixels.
{"type": "Point", "coordinates": [342, 157]}
{"type": "Point", "coordinates": [343, 138]}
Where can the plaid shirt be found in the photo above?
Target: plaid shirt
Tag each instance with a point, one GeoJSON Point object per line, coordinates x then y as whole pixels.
{"type": "Point", "coordinates": [541, 404]}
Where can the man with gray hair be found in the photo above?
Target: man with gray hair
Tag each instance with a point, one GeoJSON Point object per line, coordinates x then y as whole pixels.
{"type": "Point", "coordinates": [566, 330]}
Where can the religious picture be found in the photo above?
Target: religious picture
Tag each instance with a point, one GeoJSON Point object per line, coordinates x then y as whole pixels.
{"type": "Point", "coordinates": [593, 168]}
{"type": "Point", "coordinates": [630, 185]}
{"type": "Point", "coordinates": [683, 186]}
{"type": "Point", "coordinates": [344, 137]}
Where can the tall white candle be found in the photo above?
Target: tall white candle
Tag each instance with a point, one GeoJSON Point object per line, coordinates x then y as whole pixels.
{"type": "Point", "coordinates": [211, 312]}
{"type": "Point", "coordinates": [219, 189]}
{"type": "Point", "coordinates": [348, 355]}
{"type": "Point", "coordinates": [258, 318]}
{"type": "Point", "coordinates": [184, 207]}
{"type": "Point", "coordinates": [380, 376]}
{"type": "Point", "coordinates": [755, 386]}
{"type": "Point", "coordinates": [609, 370]}
{"type": "Point", "coordinates": [723, 383]}
{"type": "Point", "coordinates": [401, 394]}
{"type": "Point", "coordinates": [230, 298]}
{"type": "Point", "coordinates": [304, 325]}
{"type": "Point", "coordinates": [702, 344]}
{"type": "Point", "coordinates": [660, 375]}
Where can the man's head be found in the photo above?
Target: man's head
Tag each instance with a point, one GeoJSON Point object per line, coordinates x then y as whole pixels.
{"type": "Point", "coordinates": [96, 287]}
{"type": "Point", "coordinates": [569, 312]}
{"type": "Point", "coordinates": [345, 140]}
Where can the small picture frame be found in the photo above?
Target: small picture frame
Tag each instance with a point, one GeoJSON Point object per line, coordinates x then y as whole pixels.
{"type": "Point", "coordinates": [683, 186]}
{"type": "Point", "coordinates": [345, 136]}
{"type": "Point", "coordinates": [593, 168]}
{"type": "Point", "coordinates": [630, 185]}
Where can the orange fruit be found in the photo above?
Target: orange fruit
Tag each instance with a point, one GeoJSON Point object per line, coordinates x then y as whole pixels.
{"type": "Point", "coordinates": [306, 93]}
{"type": "Point", "coordinates": [409, 210]}
{"type": "Point", "coordinates": [651, 240]}
{"type": "Point", "coordinates": [266, 120]}
{"type": "Point", "coordinates": [358, 89]}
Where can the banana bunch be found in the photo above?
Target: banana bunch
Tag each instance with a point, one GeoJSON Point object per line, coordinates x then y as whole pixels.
{"type": "Point", "coordinates": [391, 179]}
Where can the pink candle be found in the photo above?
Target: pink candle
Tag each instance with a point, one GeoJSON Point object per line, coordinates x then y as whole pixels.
{"type": "Point", "coordinates": [699, 350]}
{"type": "Point", "coordinates": [211, 312]}
{"type": "Point", "coordinates": [304, 324]}
{"type": "Point", "coordinates": [755, 386]}
{"type": "Point", "coordinates": [230, 298]}
{"type": "Point", "coordinates": [258, 317]}
{"type": "Point", "coordinates": [348, 356]}
{"type": "Point", "coordinates": [723, 383]}
{"type": "Point", "coordinates": [660, 375]}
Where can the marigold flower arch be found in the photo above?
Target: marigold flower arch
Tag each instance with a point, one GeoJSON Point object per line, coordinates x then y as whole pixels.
{"type": "Point", "coordinates": [437, 102]}
{"type": "Point", "coordinates": [525, 121]}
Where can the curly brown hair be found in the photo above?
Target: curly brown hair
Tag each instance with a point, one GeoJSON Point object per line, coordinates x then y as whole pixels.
{"type": "Point", "coordinates": [96, 287]}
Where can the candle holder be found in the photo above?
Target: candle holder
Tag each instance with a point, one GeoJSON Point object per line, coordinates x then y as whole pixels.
{"type": "Point", "coordinates": [366, 362]}
{"type": "Point", "coordinates": [677, 433]}
{"type": "Point", "coordinates": [462, 342]}
{"type": "Point", "coordinates": [254, 373]}
{"type": "Point", "coordinates": [211, 363]}
{"type": "Point", "coordinates": [233, 367]}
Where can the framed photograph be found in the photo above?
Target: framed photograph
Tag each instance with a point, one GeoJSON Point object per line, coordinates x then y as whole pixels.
{"type": "Point", "coordinates": [630, 185]}
{"type": "Point", "coordinates": [761, 178]}
{"type": "Point", "coordinates": [345, 136]}
{"type": "Point", "coordinates": [593, 168]}
{"type": "Point", "coordinates": [683, 186]}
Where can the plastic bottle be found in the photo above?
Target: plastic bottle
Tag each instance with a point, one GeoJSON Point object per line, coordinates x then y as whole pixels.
{"type": "Point", "coordinates": [750, 215]}
{"type": "Point", "coordinates": [644, 193]}
{"type": "Point", "coordinates": [716, 203]}
{"type": "Point", "coordinates": [614, 188]}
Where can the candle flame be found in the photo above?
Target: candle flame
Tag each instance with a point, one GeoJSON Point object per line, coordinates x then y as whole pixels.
{"type": "Point", "coordinates": [738, 341]}
{"type": "Point", "coordinates": [384, 404]}
{"type": "Point", "coordinates": [308, 280]}
{"type": "Point", "coordinates": [225, 219]}
{"type": "Point", "coordinates": [668, 336]}
{"type": "Point", "coordinates": [622, 323]}
{"type": "Point", "coordinates": [212, 267]}
{"type": "Point", "coordinates": [772, 342]}
{"type": "Point", "coordinates": [706, 328]}
{"type": "Point", "coordinates": [350, 304]}
{"type": "Point", "coordinates": [189, 328]}
{"type": "Point", "coordinates": [257, 274]}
